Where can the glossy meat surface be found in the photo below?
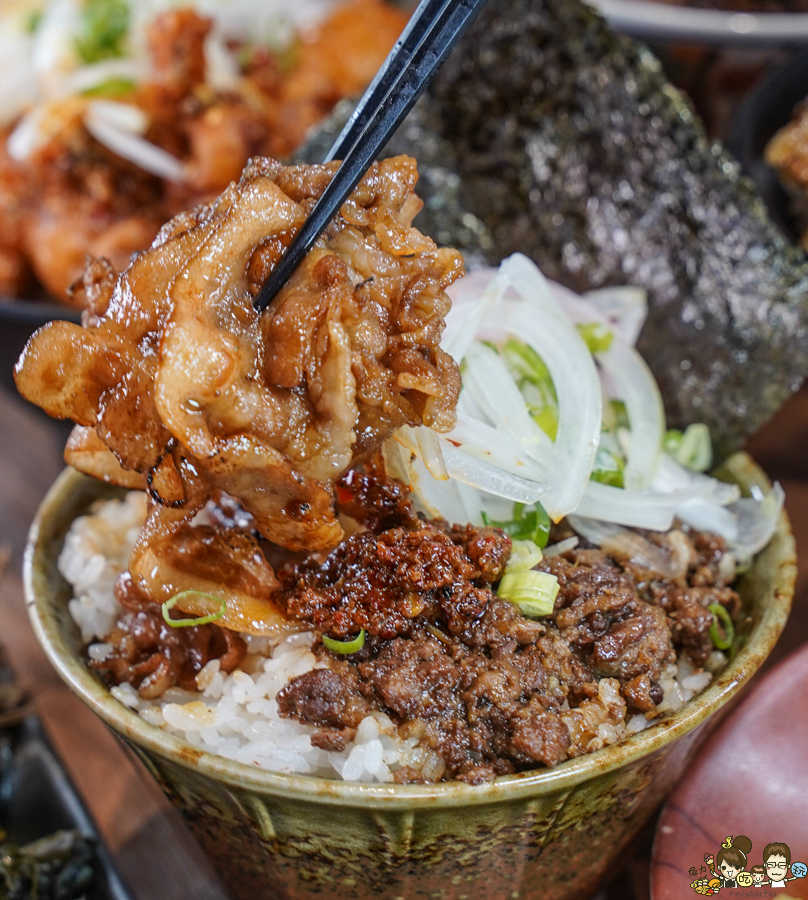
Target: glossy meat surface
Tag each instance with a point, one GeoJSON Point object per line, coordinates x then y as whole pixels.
{"type": "Point", "coordinates": [180, 379]}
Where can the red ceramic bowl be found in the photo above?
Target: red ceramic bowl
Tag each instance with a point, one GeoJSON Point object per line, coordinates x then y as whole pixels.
{"type": "Point", "coordinates": [750, 778]}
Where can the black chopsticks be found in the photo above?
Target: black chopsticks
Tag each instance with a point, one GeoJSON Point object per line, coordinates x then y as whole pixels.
{"type": "Point", "coordinates": [431, 35]}
{"type": "Point", "coordinates": [419, 26]}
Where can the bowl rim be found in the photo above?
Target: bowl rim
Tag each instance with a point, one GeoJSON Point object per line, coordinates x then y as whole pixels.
{"type": "Point", "coordinates": [566, 775]}
{"type": "Point", "coordinates": [654, 20]}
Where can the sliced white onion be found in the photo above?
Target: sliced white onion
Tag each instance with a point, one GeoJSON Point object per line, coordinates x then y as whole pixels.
{"type": "Point", "coordinates": [88, 77]}
{"type": "Point", "coordinates": [28, 135]}
{"type": "Point", "coordinates": [475, 472]}
{"type": "Point", "coordinates": [483, 475]}
{"type": "Point", "coordinates": [487, 379]}
{"type": "Point", "coordinates": [560, 547]}
{"type": "Point", "coordinates": [431, 454]}
{"type": "Point", "coordinates": [141, 152]}
{"type": "Point", "coordinates": [121, 116]}
{"type": "Point", "coordinates": [18, 87]}
{"type": "Point", "coordinates": [473, 504]}
{"type": "Point", "coordinates": [625, 544]}
{"type": "Point", "coordinates": [747, 524]}
{"type": "Point", "coordinates": [425, 444]}
{"type": "Point", "coordinates": [492, 446]}
{"type": "Point", "coordinates": [756, 519]}
{"type": "Point", "coordinates": [671, 477]}
{"type": "Point", "coordinates": [54, 53]}
{"type": "Point", "coordinates": [636, 387]}
{"type": "Point", "coordinates": [536, 318]}
{"type": "Point", "coordinates": [704, 515]}
{"type": "Point", "coordinates": [438, 499]}
{"type": "Point", "coordinates": [222, 71]}
{"type": "Point", "coordinates": [579, 401]}
{"type": "Point", "coordinates": [497, 455]}
{"type": "Point", "coordinates": [474, 298]}
{"type": "Point", "coordinates": [627, 378]}
{"type": "Point", "coordinates": [626, 308]}
{"type": "Point", "coordinates": [636, 509]}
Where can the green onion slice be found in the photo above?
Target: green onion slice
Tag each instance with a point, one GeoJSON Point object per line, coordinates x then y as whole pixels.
{"type": "Point", "coordinates": [597, 337]}
{"type": "Point", "coordinates": [112, 87]}
{"type": "Point", "coordinates": [524, 555]}
{"type": "Point", "coordinates": [617, 414]}
{"type": "Point", "coordinates": [528, 524]}
{"type": "Point", "coordinates": [533, 592]}
{"type": "Point", "coordinates": [103, 29]}
{"type": "Point", "coordinates": [202, 620]}
{"type": "Point", "coordinates": [691, 448]}
{"type": "Point", "coordinates": [535, 384]}
{"type": "Point", "coordinates": [351, 646]}
{"type": "Point", "coordinates": [721, 616]}
{"type": "Point", "coordinates": [607, 468]}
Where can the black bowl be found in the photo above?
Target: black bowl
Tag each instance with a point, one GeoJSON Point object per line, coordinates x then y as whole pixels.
{"type": "Point", "coordinates": [765, 111]}
{"type": "Point", "coordinates": [37, 798]}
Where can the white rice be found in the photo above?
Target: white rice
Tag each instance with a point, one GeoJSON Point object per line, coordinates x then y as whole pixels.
{"type": "Point", "coordinates": [236, 716]}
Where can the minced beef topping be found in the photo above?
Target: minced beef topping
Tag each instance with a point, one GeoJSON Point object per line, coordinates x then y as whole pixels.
{"type": "Point", "coordinates": [489, 690]}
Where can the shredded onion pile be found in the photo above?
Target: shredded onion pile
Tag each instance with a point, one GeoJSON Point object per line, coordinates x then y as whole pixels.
{"type": "Point", "coordinates": [559, 408]}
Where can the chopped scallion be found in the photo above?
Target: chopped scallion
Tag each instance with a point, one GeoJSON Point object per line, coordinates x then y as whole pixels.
{"type": "Point", "coordinates": [536, 384]}
{"type": "Point", "coordinates": [524, 555]}
{"type": "Point", "coordinates": [618, 414]}
{"type": "Point", "coordinates": [201, 620]}
{"type": "Point", "coordinates": [691, 448]}
{"type": "Point", "coordinates": [724, 636]}
{"type": "Point", "coordinates": [112, 87]}
{"type": "Point", "coordinates": [351, 646]}
{"type": "Point", "coordinates": [533, 592]}
{"type": "Point", "coordinates": [104, 24]}
{"type": "Point", "coordinates": [531, 524]}
{"type": "Point", "coordinates": [607, 468]}
{"type": "Point", "coordinates": [33, 22]}
{"type": "Point", "coordinates": [597, 337]}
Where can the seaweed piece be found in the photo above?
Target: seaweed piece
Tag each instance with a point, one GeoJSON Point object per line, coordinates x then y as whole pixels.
{"type": "Point", "coordinates": [57, 867]}
{"type": "Point", "coordinates": [548, 134]}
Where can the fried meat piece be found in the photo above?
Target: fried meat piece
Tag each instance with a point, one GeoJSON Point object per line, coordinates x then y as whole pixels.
{"type": "Point", "coordinates": [72, 195]}
{"type": "Point", "coordinates": [184, 382]}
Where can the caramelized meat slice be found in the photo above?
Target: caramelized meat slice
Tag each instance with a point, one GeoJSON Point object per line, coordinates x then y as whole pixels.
{"type": "Point", "coordinates": [197, 563]}
{"type": "Point", "coordinates": [185, 383]}
{"type": "Point", "coordinates": [152, 656]}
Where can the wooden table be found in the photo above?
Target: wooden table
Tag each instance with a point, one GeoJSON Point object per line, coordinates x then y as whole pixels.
{"type": "Point", "coordinates": [151, 846]}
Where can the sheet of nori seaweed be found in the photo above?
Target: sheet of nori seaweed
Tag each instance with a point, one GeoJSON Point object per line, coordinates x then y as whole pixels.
{"type": "Point", "coordinates": [547, 133]}
{"type": "Point", "coordinates": [37, 798]}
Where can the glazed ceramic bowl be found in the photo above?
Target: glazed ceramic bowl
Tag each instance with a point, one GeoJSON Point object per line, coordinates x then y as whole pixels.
{"type": "Point", "coordinates": [551, 834]}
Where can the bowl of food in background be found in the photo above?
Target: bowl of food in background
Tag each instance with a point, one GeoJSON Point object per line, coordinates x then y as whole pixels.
{"type": "Point", "coordinates": [745, 23]}
{"type": "Point", "coordinates": [115, 116]}
{"type": "Point", "coordinates": [768, 139]}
